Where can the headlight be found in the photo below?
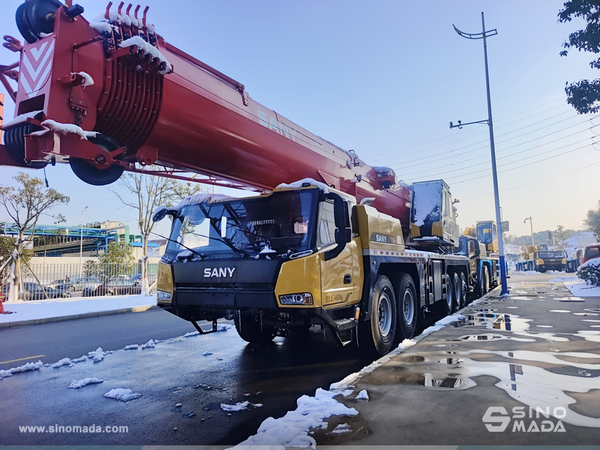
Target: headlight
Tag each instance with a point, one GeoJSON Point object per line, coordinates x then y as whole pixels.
{"type": "Point", "coordinates": [162, 296]}
{"type": "Point", "coordinates": [563, 261]}
{"type": "Point", "coordinates": [539, 262]}
{"type": "Point", "coordinates": [296, 299]}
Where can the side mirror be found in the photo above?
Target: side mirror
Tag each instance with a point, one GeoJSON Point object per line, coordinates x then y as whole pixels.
{"type": "Point", "coordinates": [162, 211]}
{"type": "Point", "coordinates": [343, 231]}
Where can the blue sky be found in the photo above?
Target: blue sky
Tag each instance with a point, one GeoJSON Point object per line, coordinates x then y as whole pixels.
{"type": "Point", "coordinates": [385, 79]}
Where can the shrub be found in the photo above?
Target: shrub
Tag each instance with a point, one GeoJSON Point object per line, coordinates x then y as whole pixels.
{"type": "Point", "coordinates": [590, 272]}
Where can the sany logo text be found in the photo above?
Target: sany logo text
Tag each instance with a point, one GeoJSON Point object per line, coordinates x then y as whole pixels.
{"type": "Point", "coordinates": [273, 124]}
{"type": "Point", "coordinates": [497, 419]}
{"type": "Point", "coordinates": [219, 272]}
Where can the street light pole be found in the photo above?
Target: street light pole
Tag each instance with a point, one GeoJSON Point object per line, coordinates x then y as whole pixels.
{"type": "Point", "coordinates": [81, 245]}
{"type": "Point", "coordinates": [531, 224]}
{"type": "Point", "coordinates": [483, 35]}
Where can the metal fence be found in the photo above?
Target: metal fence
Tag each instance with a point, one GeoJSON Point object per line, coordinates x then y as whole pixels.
{"type": "Point", "coordinates": [39, 281]}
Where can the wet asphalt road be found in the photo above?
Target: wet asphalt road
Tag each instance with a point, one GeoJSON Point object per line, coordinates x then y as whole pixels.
{"type": "Point", "coordinates": [539, 348]}
{"type": "Point", "coordinates": [183, 381]}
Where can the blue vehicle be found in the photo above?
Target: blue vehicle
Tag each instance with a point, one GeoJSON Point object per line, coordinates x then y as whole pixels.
{"type": "Point", "coordinates": [483, 268]}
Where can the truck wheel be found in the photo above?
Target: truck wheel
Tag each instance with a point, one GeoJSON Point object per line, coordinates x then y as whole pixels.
{"type": "Point", "coordinates": [458, 291]}
{"type": "Point", "coordinates": [484, 282]}
{"type": "Point", "coordinates": [463, 288]}
{"type": "Point", "coordinates": [451, 301]}
{"type": "Point", "coordinates": [252, 331]}
{"type": "Point", "coordinates": [408, 311]}
{"type": "Point", "coordinates": [378, 333]}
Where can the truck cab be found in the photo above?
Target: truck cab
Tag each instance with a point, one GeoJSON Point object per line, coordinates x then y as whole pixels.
{"type": "Point", "coordinates": [277, 261]}
{"type": "Point", "coordinates": [550, 260]}
{"type": "Point", "coordinates": [483, 269]}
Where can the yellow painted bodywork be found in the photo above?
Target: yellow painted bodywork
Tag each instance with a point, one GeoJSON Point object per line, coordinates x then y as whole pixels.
{"type": "Point", "coordinates": [164, 281]}
{"type": "Point", "coordinates": [373, 225]}
{"type": "Point", "coordinates": [324, 280]}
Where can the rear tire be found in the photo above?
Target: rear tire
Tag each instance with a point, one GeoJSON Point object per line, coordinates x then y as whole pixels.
{"type": "Point", "coordinates": [459, 298]}
{"type": "Point", "coordinates": [408, 311]}
{"type": "Point", "coordinates": [464, 289]}
{"type": "Point", "coordinates": [252, 331]}
{"type": "Point", "coordinates": [378, 334]}
{"type": "Point", "coordinates": [450, 303]}
{"type": "Point", "coordinates": [484, 281]}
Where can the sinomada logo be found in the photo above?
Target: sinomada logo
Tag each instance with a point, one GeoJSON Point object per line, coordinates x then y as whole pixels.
{"type": "Point", "coordinates": [525, 419]}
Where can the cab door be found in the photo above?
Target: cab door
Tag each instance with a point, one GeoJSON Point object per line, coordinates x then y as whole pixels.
{"type": "Point", "coordinates": [341, 276]}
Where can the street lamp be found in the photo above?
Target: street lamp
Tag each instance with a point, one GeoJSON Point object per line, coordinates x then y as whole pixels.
{"type": "Point", "coordinates": [81, 245]}
{"type": "Point", "coordinates": [484, 35]}
{"type": "Point", "coordinates": [530, 223]}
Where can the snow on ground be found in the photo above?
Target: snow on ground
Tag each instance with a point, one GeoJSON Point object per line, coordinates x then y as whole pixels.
{"type": "Point", "coordinates": [578, 287]}
{"type": "Point", "coordinates": [49, 309]}
{"type": "Point", "coordinates": [123, 395]}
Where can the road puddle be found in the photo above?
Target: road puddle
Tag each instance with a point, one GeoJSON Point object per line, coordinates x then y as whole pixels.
{"type": "Point", "coordinates": [503, 322]}
{"type": "Point", "coordinates": [518, 372]}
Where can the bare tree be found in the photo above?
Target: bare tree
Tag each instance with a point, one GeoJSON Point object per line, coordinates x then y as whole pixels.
{"type": "Point", "coordinates": [151, 191]}
{"type": "Point", "coordinates": [24, 206]}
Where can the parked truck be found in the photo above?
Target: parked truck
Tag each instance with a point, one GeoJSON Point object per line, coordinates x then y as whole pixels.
{"type": "Point", "coordinates": [481, 247]}
{"type": "Point", "coordinates": [544, 260]}
{"type": "Point", "coordinates": [328, 239]}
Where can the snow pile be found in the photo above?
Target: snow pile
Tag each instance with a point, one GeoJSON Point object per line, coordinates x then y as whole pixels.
{"type": "Point", "coordinates": [123, 395]}
{"type": "Point", "coordinates": [240, 406]}
{"type": "Point", "coordinates": [62, 362]}
{"type": "Point", "coordinates": [363, 395]}
{"type": "Point", "coordinates": [191, 334]}
{"type": "Point", "coordinates": [292, 429]}
{"type": "Point", "coordinates": [87, 79]}
{"type": "Point", "coordinates": [298, 184]}
{"type": "Point", "coordinates": [66, 128]}
{"type": "Point", "coordinates": [81, 383]}
{"type": "Point", "coordinates": [196, 199]}
{"type": "Point", "coordinates": [24, 368]}
{"type": "Point", "coordinates": [150, 344]}
{"type": "Point", "coordinates": [98, 355]}
{"type": "Point", "coordinates": [22, 118]}
{"type": "Point", "coordinates": [147, 48]}
{"type": "Point", "coordinates": [131, 347]}
{"type": "Point", "coordinates": [342, 428]}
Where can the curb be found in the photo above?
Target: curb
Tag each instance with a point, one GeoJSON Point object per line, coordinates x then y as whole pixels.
{"type": "Point", "coordinates": [78, 316]}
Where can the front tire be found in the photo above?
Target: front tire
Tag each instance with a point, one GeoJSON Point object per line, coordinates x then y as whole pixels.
{"type": "Point", "coordinates": [378, 333]}
{"type": "Point", "coordinates": [252, 331]}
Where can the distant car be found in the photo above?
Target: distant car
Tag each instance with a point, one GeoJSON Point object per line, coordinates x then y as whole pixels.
{"type": "Point", "coordinates": [115, 287]}
{"type": "Point", "coordinates": [34, 291]}
{"type": "Point", "coordinates": [137, 278]}
{"type": "Point", "coordinates": [591, 252]}
{"type": "Point", "coordinates": [79, 284]}
{"type": "Point", "coordinates": [63, 284]}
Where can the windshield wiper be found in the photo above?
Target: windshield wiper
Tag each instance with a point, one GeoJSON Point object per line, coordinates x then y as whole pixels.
{"type": "Point", "coordinates": [195, 252]}
{"type": "Point", "coordinates": [225, 241]}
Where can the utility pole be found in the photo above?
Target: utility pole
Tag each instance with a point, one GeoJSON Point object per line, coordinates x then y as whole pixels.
{"type": "Point", "coordinates": [81, 245]}
{"type": "Point", "coordinates": [483, 35]}
{"type": "Point", "coordinates": [531, 224]}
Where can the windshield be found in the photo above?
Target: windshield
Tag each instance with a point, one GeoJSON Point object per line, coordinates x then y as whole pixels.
{"type": "Point", "coordinates": [550, 254]}
{"type": "Point", "coordinates": [273, 225]}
